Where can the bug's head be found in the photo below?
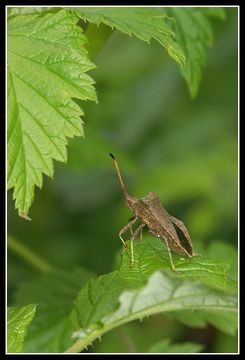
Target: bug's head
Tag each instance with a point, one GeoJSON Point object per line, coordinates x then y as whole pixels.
{"type": "Point", "coordinates": [131, 202]}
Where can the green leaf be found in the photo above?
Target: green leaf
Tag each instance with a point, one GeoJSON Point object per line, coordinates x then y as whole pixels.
{"type": "Point", "coordinates": [125, 295]}
{"type": "Point", "coordinates": [194, 33]}
{"type": "Point", "coordinates": [19, 319]}
{"type": "Point", "coordinates": [144, 23]}
{"type": "Point", "coordinates": [218, 250]}
{"type": "Point", "coordinates": [217, 12]}
{"type": "Point", "coordinates": [185, 34]}
{"type": "Point", "coordinates": [47, 65]}
{"type": "Point", "coordinates": [108, 301]}
{"type": "Point", "coordinates": [29, 10]}
{"type": "Point", "coordinates": [200, 318]}
{"type": "Point", "coordinates": [54, 292]}
{"type": "Point", "coordinates": [164, 346]}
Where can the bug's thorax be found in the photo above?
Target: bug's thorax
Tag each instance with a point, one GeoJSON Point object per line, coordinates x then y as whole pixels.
{"type": "Point", "coordinates": [142, 210]}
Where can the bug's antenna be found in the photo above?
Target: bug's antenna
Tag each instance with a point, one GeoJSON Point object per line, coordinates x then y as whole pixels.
{"type": "Point", "coordinates": [119, 175]}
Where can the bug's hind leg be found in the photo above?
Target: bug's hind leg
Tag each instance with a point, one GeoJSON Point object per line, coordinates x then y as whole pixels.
{"type": "Point", "coordinates": [134, 236]}
{"type": "Point", "coordinates": [124, 229]}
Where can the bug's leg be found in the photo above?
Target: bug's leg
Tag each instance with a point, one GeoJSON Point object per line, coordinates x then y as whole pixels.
{"type": "Point", "coordinates": [123, 230]}
{"type": "Point", "coordinates": [170, 255]}
{"type": "Point", "coordinates": [134, 236]}
{"type": "Point", "coordinates": [141, 234]}
{"type": "Point", "coordinates": [131, 229]}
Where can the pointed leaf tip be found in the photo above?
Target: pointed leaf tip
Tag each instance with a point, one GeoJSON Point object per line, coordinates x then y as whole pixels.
{"type": "Point", "coordinates": [24, 216]}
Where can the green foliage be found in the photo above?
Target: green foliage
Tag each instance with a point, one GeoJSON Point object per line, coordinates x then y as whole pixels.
{"type": "Point", "coordinates": [124, 295]}
{"type": "Point", "coordinates": [194, 33]}
{"type": "Point", "coordinates": [226, 344]}
{"type": "Point", "coordinates": [54, 294]}
{"type": "Point", "coordinates": [47, 62]}
{"type": "Point", "coordinates": [226, 253]}
{"type": "Point", "coordinates": [162, 293]}
{"type": "Point", "coordinates": [216, 12]}
{"type": "Point", "coordinates": [184, 150]}
{"type": "Point", "coordinates": [41, 113]}
{"type": "Point", "coordinates": [13, 11]}
{"type": "Point", "coordinates": [19, 319]}
{"type": "Point", "coordinates": [144, 23]}
{"type": "Point", "coordinates": [199, 319]}
{"type": "Point", "coordinates": [165, 346]}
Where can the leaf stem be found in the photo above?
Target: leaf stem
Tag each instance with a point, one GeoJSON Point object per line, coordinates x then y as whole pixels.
{"type": "Point", "coordinates": [82, 344]}
{"type": "Point", "coordinates": [27, 254]}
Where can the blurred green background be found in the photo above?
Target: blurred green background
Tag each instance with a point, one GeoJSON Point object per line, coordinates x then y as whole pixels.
{"type": "Point", "coordinates": [183, 149]}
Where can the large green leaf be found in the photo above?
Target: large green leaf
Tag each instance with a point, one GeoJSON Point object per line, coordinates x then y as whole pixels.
{"type": "Point", "coordinates": [47, 65]}
{"type": "Point", "coordinates": [19, 319]}
{"type": "Point", "coordinates": [125, 295]}
{"type": "Point", "coordinates": [185, 35]}
{"type": "Point", "coordinates": [194, 33]}
{"type": "Point", "coordinates": [144, 23]}
{"type": "Point", "coordinates": [141, 22]}
{"type": "Point", "coordinates": [54, 293]}
{"type": "Point", "coordinates": [112, 299]}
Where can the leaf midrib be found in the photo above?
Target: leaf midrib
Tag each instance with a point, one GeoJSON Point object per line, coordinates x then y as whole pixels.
{"type": "Point", "coordinates": [81, 344]}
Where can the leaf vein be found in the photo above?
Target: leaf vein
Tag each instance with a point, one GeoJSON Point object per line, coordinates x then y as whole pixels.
{"type": "Point", "coordinates": [48, 136]}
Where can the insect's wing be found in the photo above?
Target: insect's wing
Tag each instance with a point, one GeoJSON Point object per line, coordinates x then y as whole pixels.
{"type": "Point", "coordinates": [178, 236]}
{"type": "Point", "coordinates": [183, 235]}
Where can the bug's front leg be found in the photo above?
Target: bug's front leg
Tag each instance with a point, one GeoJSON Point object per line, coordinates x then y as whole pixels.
{"type": "Point", "coordinates": [124, 229]}
{"type": "Point", "coordinates": [134, 236]}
